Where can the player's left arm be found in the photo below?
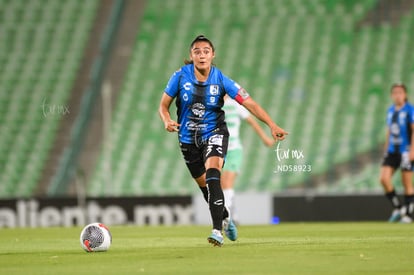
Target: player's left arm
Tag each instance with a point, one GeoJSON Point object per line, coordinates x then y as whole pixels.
{"type": "Point", "coordinates": [256, 110]}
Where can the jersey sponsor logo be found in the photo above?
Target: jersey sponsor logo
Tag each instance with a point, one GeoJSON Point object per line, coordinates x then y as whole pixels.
{"type": "Point", "coordinates": [395, 129]}
{"type": "Point", "coordinates": [198, 109]}
{"type": "Point", "coordinates": [194, 126]}
{"type": "Point", "coordinates": [214, 89]}
{"type": "Point", "coordinates": [212, 99]}
{"type": "Point", "coordinates": [187, 86]}
{"type": "Point", "coordinates": [185, 97]}
{"type": "Point", "coordinates": [216, 140]}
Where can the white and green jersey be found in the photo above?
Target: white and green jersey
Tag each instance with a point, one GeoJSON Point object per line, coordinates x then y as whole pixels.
{"type": "Point", "coordinates": [234, 114]}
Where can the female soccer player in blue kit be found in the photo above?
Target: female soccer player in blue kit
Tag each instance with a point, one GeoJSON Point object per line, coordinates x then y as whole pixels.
{"type": "Point", "coordinates": [198, 89]}
{"type": "Point", "coordinates": [399, 153]}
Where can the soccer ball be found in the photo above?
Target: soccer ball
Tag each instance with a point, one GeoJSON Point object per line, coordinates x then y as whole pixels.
{"type": "Point", "coordinates": [95, 237]}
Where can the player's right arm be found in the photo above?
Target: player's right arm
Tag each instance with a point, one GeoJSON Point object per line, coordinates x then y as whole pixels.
{"type": "Point", "coordinates": [164, 112]}
{"type": "Point", "coordinates": [167, 98]}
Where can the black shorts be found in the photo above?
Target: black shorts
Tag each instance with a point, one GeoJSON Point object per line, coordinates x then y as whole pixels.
{"type": "Point", "coordinates": [195, 155]}
{"type": "Point", "coordinates": [394, 160]}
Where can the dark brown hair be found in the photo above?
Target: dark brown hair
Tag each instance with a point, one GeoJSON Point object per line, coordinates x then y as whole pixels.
{"type": "Point", "coordinates": [197, 39]}
{"type": "Point", "coordinates": [400, 85]}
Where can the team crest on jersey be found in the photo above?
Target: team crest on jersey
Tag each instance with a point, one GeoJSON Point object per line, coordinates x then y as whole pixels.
{"type": "Point", "coordinates": [198, 109]}
{"type": "Point", "coordinates": [214, 89]}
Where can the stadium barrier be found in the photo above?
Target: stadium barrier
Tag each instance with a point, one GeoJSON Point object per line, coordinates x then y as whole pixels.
{"type": "Point", "coordinates": [331, 208]}
{"type": "Point", "coordinates": [48, 212]}
{"type": "Point", "coordinates": [253, 208]}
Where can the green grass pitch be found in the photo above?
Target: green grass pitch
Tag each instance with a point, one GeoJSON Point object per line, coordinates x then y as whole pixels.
{"type": "Point", "coordinates": [287, 248]}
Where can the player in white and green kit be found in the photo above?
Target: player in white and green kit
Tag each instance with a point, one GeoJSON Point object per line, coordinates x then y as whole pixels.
{"type": "Point", "coordinates": [235, 114]}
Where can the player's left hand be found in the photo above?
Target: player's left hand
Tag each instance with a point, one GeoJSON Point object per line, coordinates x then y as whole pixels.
{"type": "Point", "coordinates": [278, 133]}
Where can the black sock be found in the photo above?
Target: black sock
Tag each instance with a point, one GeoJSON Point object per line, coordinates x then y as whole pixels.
{"type": "Point", "coordinates": [409, 204]}
{"type": "Point", "coordinates": [205, 192]}
{"type": "Point", "coordinates": [205, 195]}
{"type": "Point", "coordinates": [393, 199]}
{"type": "Point", "coordinates": [216, 197]}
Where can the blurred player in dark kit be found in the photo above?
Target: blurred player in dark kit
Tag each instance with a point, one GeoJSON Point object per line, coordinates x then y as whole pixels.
{"type": "Point", "coordinates": [399, 153]}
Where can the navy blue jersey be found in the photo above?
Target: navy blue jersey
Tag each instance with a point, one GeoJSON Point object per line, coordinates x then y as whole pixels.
{"type": "Point", "coordinates": [199, 104]}
{"type": "Point", "coordinates": [399, 124]}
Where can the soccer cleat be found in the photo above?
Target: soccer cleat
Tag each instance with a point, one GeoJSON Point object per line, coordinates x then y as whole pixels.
{"type": "Point", "coordinates": [395, 216]}
{"type": "Point", "coordinates": [216, 238]}
{"type": "Point", "coordinates": [230, 229]}
{"type": "Point", "coordinates": [406, 219]}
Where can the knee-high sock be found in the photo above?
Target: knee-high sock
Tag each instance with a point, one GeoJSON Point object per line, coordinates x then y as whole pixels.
{"type": "Point", "coordinates": [204, 190]}
{"type": "Point", "coordinates": [409, 204]}
{"type": "Point", "coordinates": [215, 197]}
{"type": "Point", "coordinates": [392, 197]}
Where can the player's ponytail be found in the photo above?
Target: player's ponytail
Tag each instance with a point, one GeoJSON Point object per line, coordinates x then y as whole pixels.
{"type": "Point", "coordinates": [402, 86]}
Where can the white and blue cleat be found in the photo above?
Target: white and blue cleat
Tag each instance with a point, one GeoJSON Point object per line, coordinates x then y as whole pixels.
{"type": "Point", "coordinates": [395, 216]}
{"type": "Point", "coordinates": [230, 229]}
{"type": "Point", "coordinates": [216, 238]}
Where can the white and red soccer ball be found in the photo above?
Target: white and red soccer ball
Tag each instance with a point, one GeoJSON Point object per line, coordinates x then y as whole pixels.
{"type": "Point", "coordinates": [95, 237]}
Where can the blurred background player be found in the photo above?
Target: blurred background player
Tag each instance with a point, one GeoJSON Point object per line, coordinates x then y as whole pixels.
{"type": "Point", "coordinates": [198, 89]}
{"type": "Point", "coordinates": [399, 153]}
{"type": "Point", "coordinates": [235, 113]}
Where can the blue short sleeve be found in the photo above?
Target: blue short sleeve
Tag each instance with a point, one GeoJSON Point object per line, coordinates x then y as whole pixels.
{"type": "Point", "coordinates": [173, 84]}
{"type": "Point", "coordinates": [411, 114]}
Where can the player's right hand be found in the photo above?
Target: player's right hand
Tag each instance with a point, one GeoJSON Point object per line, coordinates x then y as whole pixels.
{"type": "Point", "coordinates": [171, 126]}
